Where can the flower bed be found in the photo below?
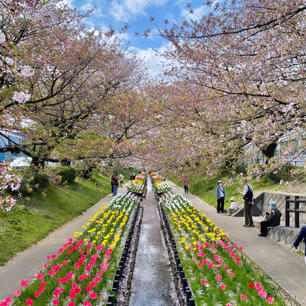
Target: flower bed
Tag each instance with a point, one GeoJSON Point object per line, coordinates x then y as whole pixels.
{"type": "Point", "coordinates": [138, 185]}
{"type": "Point", "coordinates": [158, 184]}
{"type": "Point", "coordinates": [82, 272]}
{"type": "Point", "coordinates": [216, 269]}
{"type": "Point", "coordinates": [162, 187]}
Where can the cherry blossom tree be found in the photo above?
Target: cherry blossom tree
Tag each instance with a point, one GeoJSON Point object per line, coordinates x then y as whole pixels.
{"type": "Point", "coordinates": [245, 63]}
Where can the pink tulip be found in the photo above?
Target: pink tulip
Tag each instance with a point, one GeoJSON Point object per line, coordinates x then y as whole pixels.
{"type": "Point", "coordinates": [36, 294]}
{"type": "Point", "coordinates": [223, 287]}
{"type": "Point", "coordinates": [104, 267]}
{"type": "Point", "coordinates": [263, 294]}
{"type": "Point", "coordinates": [93, 295]}
{"type": "Point", "coordinates": [74, 285]}
{"type": "Point", "coordinates": [29, 301]}
{"type": "Point", "coordinates": [17, 293]}
{"type": "Point", "coordinates": [244, 297]}
{"type": "Point", "coordinates": [270, 300]}
{"type": "Point", "coordinates": [24, 283]}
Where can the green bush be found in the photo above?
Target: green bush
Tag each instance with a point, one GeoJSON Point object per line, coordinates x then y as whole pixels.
{"type": "Point", "coordinates": [40, 179]}
{"type": "Point", "coordinates": [32, 180]}
{"type": "Point", "coordinates": [283, 174]}
{"type": "Point", "coordinates": [68, 174]}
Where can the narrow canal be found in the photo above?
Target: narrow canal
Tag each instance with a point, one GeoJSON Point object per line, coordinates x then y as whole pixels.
{"type": "Point", "coordinates": [152, 283]}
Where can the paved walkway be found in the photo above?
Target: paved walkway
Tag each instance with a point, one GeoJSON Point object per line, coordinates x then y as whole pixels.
{"type": "Point", "coordinates": [284, 266]}
{"type": "Point", "coordinates": [25, 264]}
{"type": "Point", "coordinates": [151, 285]}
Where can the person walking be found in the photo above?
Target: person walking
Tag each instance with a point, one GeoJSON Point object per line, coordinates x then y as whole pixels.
{"type": "Point", "coordinates": [121, 176]}
{"type": "Point", "coordinates": [114, 183]}
{"type": "Point", "coordinates": [220, 195]}
{"type": "Point", "coordinates": [248, 203]}
{"type": "Point", "coordinates": [301, 236]}
{"type": "Point", "coordinates": [186, 183]}
{"type": "Point", "coordinates": [271, 219]}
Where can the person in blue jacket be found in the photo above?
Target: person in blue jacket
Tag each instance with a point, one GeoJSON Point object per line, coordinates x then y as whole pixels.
{"type": "Point", "coordinates": [301, 236]}
{"type": "Point", "coordinates": [220, 194]}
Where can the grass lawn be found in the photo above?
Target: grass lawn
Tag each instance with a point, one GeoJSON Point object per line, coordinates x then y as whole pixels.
{"type": "Point", "coordinates": [28, 223]}
{"type": "Point", "coordinates": [205, 188]}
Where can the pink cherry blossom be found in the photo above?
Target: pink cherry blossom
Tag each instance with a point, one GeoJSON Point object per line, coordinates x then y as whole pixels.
{"type": "Point", "coordinates": [21, 97]}
{"type": "Point", "coordinates": [2, 38]}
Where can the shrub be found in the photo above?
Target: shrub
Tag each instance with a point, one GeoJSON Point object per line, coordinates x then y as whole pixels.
{"type": "Point", "coordinates": [40, 179]}
{"type": "Point", "coordinates": [32, 180]}
{"type": "Point", "coordinates": [68, 174]}
{"type": "Point", "coordinates": [283, 174]}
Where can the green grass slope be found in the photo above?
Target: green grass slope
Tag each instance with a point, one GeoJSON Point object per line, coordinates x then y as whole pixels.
{"type": "Point", "coordinates": [38, 216]}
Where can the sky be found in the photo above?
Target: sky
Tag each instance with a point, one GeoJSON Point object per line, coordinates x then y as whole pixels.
{"type": "Point", "coordinates": [136, 14]}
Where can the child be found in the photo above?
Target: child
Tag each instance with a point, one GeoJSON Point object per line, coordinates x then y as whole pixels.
{"type": "Point", "coordinates": [232, 208]}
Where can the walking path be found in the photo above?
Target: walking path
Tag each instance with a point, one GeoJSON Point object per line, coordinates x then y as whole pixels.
{"type": "Point", "coordinates": [151, 285]}
{"type": "Point", "coordinates": [281, 264]}
{"type": "Point", "coordinates": [25, 264]}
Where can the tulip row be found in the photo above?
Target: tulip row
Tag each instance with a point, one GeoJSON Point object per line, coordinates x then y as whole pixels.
{"type": "Point", "coordinates": [158, 184]}
{"type": "Point", "coordinates": [162, 187]}
{"type": "Point", "coordinates": [216, 269]}
{"type": "Point", "coordinates": [82, 272]}
{"type": "Point", "coordinates": [138, 184]}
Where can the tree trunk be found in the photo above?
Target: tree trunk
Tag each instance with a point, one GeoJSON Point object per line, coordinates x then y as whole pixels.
{"type": "Point", "coordinates": [37, 163]}
{"type": "Point", "coordinates": [87, 172]}
{"type": "Point", "coordinates": [66, 162]}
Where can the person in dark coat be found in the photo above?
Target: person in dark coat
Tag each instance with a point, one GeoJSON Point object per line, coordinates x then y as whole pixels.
{"type": "Point", "coordinates": [248, 197]}
{"type": "Point", "coordinates": [271, 219]}
{"type": "Point", "coordinates": [301, 236]}
{"type": "Point", "coordinates": [220, 195]}
{"type": "Point", "coordinates": [115, 184]}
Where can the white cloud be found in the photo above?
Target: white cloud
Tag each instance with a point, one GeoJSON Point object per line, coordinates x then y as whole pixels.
{"type": "Point", "coordinates": [66, 2]}
{"type": "Point", "coordinates": [155, 62]}
{"type": "Point", "coordinates": [98, 7]}
{"type": "Point", "coordinates": [124, 10]}
{"type": "Point", "coordinates": [196, 14]}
